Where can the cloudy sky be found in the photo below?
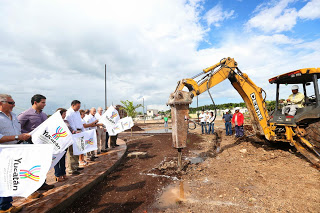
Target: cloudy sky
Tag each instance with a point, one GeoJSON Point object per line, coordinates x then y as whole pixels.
{"type": "Point", "coordinates": [59, 48]}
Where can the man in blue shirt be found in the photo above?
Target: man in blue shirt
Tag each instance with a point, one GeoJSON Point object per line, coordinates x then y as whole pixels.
{"type": "Point", "coordinates": [227, 122]}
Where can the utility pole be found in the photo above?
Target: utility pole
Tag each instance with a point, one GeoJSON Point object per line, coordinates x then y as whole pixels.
{"type": "Point", "coordinates": [105, 87]}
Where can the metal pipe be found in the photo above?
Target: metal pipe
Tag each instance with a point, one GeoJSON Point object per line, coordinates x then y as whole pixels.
{"type": "Point", "coordinates": [105, 87]}
{"type": "Point", "coordinates": [316, 89]}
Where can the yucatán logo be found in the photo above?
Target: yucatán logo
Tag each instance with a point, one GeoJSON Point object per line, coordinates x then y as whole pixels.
{"type": "Point", "coordinates": [114, 114]}
{"type": "Point", "coordinates": [59, 133]}
{"type": "Point", "coordinates": [81, 143]}
{"type": "Point", "coordinates": [255, 105]}
{"type": "Point", "coordinates": [54, 137]}
{"type": "Point", "coordinates": [23, 174]}
{"type": "Point", "coordinates": [90, 141]}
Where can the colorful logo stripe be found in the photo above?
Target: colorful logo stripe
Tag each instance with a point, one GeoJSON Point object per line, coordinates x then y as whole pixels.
{"type": "Point", "coordinates": [114, 114]}
{"type": "Point", "coordinates": [59, 133]}
{"type": "Point", "coordinates": [24, 174]}
{"type": "Point", "coordinates": [90, 141]}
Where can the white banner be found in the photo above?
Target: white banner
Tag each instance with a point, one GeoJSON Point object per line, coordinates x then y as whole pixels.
{"type": "Point", "coordinates": [23, 168]}
{"type": "Point", "coordinates": [53, 131]}
{"type": "Point", "coordinates": [85, 142]}
{"type": "Point", "coordinates": [126, 123]}
{"type": "Point", "coordinates": [110, 119]}
{"type": "Point", "coordinates": [56, 158]}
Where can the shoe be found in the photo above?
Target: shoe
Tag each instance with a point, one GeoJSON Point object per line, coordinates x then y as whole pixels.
{"type": "Point", "coordinates": [95, 157]}
{"type": "Point", "coordinates": [117, 145]}
{"type": "Point", "coordinates": [60, 179]}
{"type": "Point", "coordinates": [104, 150]}
{"type": "Point", "coordinates": [113, 146]}
{"type": "Point", "coordinates": [46, 187]}
{"type": "Point", "coordinates": [83, 163]}
{"type": "Point", "coordinates": [12, 209]}
{"type": "Point", "coordinates": [34, 195]}
{"type": "Point", "coordinates": [75, 173]}
{"type": "Point", "coordinates": [65, 177]}
{"type": "Point", "coordinates": [78, 169]}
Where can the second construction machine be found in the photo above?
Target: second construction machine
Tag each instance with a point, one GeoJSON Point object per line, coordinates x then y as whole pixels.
{"type": "Point", "coordinates": [301, 130]}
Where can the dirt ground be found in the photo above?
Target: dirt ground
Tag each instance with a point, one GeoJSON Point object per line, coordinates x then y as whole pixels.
{"type": "Point", "coordinates": [245, 176]}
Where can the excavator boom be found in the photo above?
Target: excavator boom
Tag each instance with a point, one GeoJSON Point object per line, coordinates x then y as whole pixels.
{"type": "Point", "coordinates": [253, 96]}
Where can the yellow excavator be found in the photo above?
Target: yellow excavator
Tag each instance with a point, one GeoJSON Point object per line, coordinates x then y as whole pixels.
{"type": "Point", "coordinates": [301, 130]}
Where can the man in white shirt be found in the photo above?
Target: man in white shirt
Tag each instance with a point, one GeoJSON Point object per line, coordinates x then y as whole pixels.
{"type": "Point", "coordinates": [203, 121]}
{"type": "Point", "coordinates": [74, 118]}
{"type": "Point", "coordinates": [101, 133]}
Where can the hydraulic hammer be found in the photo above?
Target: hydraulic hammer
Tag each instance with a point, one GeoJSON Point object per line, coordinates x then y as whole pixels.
{"type": "Point", "coordinates": [179, 102]}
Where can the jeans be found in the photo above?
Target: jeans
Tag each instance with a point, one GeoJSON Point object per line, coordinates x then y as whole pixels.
{"type": "Point", "coordinates": [239, 131]}
{"type": "Point", "coordinates": [228, 128]}
{"type": "Point", "coordinates": [60, 167]}
{"type": "Point", "coordinates": [211, 128]}
{"type": "Point", "coordinates": [5, 203]}
{"type": "Point", "coordinates": [203, 124]}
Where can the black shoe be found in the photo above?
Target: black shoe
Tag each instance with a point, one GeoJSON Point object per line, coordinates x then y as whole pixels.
{"type": "Point", "coordinates": [104, 150]}
{"type": "Point", "coordinates": [95, 157]}
{"type": "Point", "coordinates": [46, 186]}
{"type": "Point", "coordinates": [78, 169]}
{"type": "Point", "coordinates": [75, 173]}
{"type": "Point", "coordinates": [117, 145]}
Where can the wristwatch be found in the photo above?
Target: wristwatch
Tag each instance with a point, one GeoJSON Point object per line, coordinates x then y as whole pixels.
{"type": "Point", "coordinates": [16, 137]}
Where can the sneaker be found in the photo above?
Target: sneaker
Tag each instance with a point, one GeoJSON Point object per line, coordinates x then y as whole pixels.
{"type": "Point", "coordinates": [34, 195]}
{"type": "Point", "coordinates": [46, 187]}
{"type": "Point", "coordinates": [12, 209]}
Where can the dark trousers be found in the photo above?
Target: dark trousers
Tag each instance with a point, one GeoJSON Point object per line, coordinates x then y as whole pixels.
{"type": "Point", "coordinates": [60, 167]}
{"type": "Point", "coordinates": [5, 203]}
{"type": "Point", "coordinates": [107, 139]}
{"type": "Point", "coordinates": [113, 140]}
{"type": "Point", "coordinates": [239, 131]}
{"type": "Point", "coordinates": [228, 128]}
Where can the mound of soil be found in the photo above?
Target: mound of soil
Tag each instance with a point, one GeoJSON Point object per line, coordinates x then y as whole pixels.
{"type": "Point", "coordinates": [134, 128]}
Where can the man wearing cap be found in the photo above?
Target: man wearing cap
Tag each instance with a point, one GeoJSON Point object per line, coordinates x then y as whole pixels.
{"type": "Point", "coordinates": [295, 101]}
{"type": "Point", "coordinates": [237, 122]}
{"type": "Point", "coordinates": [227, 122]}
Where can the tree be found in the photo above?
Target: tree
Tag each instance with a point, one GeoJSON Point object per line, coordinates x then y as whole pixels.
{"type": "Point", "coordinates": [130, 109]}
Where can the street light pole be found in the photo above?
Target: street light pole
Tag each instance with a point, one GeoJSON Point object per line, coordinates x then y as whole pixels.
{"type": "Point", "coordinates": [105, 87]}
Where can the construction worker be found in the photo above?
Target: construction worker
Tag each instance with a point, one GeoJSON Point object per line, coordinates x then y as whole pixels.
{"type": "Point", "coordinates": [237, 122]}
{"type": "Point", "coordinates": [227, 122]}
{"type": "Point", "coordinates": [295, 101]}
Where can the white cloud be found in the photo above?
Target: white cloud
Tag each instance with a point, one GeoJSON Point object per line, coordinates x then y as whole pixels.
{"type": "Point", "coordinates": [59, 48]}
{"type": "Point", "coordinates": [311, 10]}
{"type": "Point", "coordinates": [274, 18]}
{"type": "Point", "coordinates": [216, 15]}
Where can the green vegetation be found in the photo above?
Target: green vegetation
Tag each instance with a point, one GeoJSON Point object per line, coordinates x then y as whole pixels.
{"type": "Point", "coordinates": [130, 108]}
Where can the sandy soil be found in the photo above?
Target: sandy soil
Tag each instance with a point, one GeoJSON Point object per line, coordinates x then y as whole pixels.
{"type": "Point", "coordinates": [245, 176]}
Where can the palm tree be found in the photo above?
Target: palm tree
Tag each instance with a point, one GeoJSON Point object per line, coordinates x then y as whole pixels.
{"type": "Point", "coordinates": [130, 109]}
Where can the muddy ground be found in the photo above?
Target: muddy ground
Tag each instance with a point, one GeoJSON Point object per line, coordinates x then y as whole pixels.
{"type": "Point", "coordinates": [245, 176]}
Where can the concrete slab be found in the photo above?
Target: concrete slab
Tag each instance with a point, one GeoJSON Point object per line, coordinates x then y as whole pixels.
{"type": "Point", "coordinates": [64, 193]}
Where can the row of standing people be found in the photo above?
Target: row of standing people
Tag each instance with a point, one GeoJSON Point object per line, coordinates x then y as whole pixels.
{"type": "Point", "coordinates": [207, 122]}
{"type": "Point", "coordinates": [15, 130]}
{"type": "Point", "coordinates": [236, 120]}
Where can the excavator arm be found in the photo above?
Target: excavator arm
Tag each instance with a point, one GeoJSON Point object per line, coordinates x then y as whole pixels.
{"type": "Point", "coordinates": [251, 94]}
{"type": "Point", "coordinates": [226, 69]}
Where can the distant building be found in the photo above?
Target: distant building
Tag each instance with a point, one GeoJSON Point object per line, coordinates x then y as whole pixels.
{"type": "Point", "coordinates": [152, 112]}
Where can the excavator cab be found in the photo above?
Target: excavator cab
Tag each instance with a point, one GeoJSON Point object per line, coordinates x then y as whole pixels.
{"type": "Point", "coordinates": [307, 79]}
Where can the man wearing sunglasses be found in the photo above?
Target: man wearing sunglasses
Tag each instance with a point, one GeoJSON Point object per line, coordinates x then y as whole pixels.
{"type": "Point", "coordinates": [10, 133]}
